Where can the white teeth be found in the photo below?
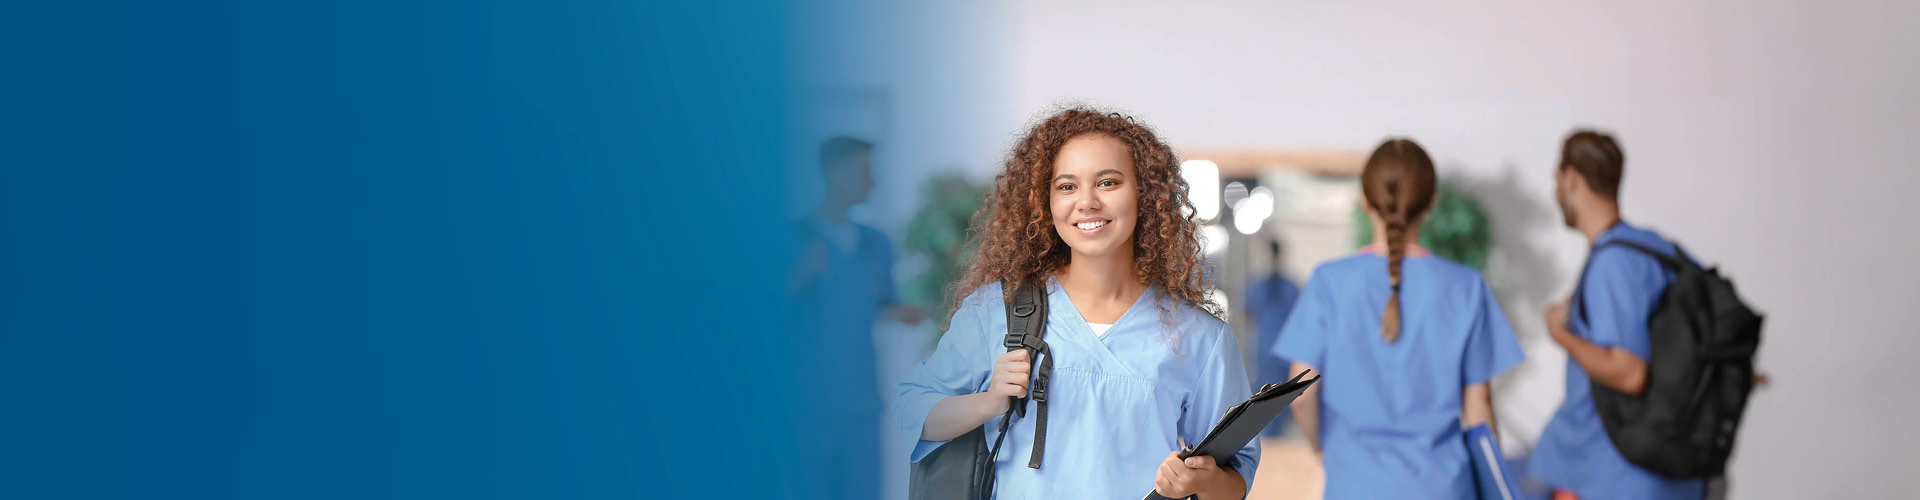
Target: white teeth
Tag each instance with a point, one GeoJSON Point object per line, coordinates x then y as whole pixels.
{"type": "Point", "coordinates": [1089, 226]}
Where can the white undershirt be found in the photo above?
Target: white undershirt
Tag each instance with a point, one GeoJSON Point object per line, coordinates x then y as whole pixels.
{"type": "Point", "coordinates": [1100, 329]}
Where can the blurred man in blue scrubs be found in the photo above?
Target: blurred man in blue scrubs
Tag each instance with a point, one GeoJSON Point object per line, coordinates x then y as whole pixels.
{"type": "Point", "coordinates": [1270, 299]}
{"type": "Point", "coordinates": [843, 282]}
{"type": "Point", "coordinates": [1608, 345]}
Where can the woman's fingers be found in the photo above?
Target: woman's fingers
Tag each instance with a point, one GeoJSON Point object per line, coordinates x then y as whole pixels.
{"type": "Point", "coordinates": [1173, 477]}
{"type": "Point", "coordinates": [1010, 384]}
{"type": "Point", "coordinates": [1012, 374]}
{"type": "Point", "coordinates": [1176, 466]}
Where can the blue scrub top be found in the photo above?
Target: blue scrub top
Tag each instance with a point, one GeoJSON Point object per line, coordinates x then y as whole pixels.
{"type": "Point", "coordinates": [1621, 289]}
{"type": "Point", "coordinates": [1269, 301]}
{"type": "Point", "coordinates": [836, 314]}
{"type": "Point", "coordinates": [1390, 412]}
{"type": "Point", "coordinates": [840, 308]}
{"type": "Point", "coordinates": [1118, 403]}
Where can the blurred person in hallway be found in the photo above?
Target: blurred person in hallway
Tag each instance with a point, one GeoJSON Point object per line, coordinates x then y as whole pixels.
{"type": "Point", "coordinates": [1269, 300]}
{"type": "Point", "coordinates": [842, 283]}
{"type": "Point", "coordinates": [1609, 345]}
{"type": "Point", "coordinates": [1406, 342]}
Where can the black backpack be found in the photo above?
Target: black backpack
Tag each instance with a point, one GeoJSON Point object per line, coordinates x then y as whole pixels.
{"type": "Point", "coordinates": [963, 469]}
{"type": "Point", "coordinates": [1699, 374]}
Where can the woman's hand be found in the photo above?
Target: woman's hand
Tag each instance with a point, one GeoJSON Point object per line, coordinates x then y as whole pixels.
{"type": "Point", "coordinates": [1011, 374]}
{"type": "Point", "coordinates": [1196, 475]}
{"type": "Point", "coordinates": [955, 415]}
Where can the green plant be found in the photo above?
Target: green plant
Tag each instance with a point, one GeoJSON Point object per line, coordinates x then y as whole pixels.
{"type": "Point", "coordinates": [1456, 228]}
{"type": "Point", "coordinates": [938, 231]}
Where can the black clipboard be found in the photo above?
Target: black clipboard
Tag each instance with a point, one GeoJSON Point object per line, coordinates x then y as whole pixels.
{"type": "Point", "coordinates": [1244, 421]}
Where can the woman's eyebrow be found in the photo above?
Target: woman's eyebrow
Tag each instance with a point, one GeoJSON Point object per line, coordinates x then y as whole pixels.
{"type": "Point", "coordinates": [1063, 176]}
{"type": "Point", "coordinates": [1113, 171]}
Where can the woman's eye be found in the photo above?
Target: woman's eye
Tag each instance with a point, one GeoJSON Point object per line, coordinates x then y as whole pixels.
{"type": "Point", "coordinates": [1066, 187]}
{"type": "Point", "coordinates": [1109, 183]}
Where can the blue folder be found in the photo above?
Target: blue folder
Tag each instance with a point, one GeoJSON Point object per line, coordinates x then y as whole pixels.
{"type": "Point", "coordinates": [1491, 476]}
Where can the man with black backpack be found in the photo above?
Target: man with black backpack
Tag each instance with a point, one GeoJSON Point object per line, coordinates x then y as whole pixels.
{"type": "Point", "coordinates": [1659, 352]}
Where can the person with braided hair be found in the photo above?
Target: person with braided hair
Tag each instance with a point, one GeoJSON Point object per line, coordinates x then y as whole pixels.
{"type": "Point", "coordinates": [1406, 342]}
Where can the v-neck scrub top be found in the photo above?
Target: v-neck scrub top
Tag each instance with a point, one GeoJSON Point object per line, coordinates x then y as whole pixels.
{"type": "Point", "coordinates": [1117, 403]}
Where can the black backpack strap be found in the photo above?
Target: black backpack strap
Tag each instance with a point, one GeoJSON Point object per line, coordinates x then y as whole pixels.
{"type": "Point", "coordinates": [1027, 329]}
{"type": "Point", "coordinates": [1674, 263]}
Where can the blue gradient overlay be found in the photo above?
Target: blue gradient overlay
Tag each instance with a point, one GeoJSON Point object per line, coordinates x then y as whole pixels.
{"type": "Point", "coordinates": [393, 250]}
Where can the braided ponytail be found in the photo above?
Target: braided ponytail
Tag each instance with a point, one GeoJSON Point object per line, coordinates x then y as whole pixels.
{"type": "Point", "coordinates": [1396, 250]}
{"type": "Point", "coordinates": [1400, 186]}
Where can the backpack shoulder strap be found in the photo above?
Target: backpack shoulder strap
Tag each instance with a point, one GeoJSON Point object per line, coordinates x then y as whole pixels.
{"type": "Point", "coordinates": [1026, 318]}
{"type": "Point", "coordinates": [1027, 329]}
{"type": "Point", "coordinates": [1674, 263]}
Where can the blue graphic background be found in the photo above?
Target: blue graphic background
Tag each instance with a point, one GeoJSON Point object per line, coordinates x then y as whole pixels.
{"type": "Point", "coordinates": [368, 249]}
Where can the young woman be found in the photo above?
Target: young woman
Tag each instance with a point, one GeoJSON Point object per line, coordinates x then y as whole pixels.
{"type": "Point", "coordinates": [1090, 205]}
{"type": "Point", "coordinates": [1406, 343]}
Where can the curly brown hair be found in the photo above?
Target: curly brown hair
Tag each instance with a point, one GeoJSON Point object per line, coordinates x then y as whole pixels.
{"type": "Point", "coordinates": [1013, 231]}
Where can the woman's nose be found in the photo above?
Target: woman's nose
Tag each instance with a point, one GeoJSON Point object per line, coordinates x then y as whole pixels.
{"type": "Point", "coordinates": [1090, 201]}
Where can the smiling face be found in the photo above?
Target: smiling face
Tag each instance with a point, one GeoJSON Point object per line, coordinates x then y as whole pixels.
{"type": "Point", "coordinates": [1028, 229]}
{"type": "Point", "coordinates": [1094, 199]}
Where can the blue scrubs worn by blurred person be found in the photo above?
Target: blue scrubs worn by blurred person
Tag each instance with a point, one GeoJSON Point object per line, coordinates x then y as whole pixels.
{"type": "Point", "coordinates": [1269, 300]}
{"type": "Point", "coordinates": [844, 282]}
{"type": "Point", "coordinates": [1141, 366]}
{"type": "Point", "coordinates": [1609, 345]}
{"type": "Point", "coordinates": [1406, 343]}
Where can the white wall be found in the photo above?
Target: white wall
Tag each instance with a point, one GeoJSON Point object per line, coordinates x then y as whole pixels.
{"type": "Point", "coordinates": [1774, 138]}
{"type": "Point", "coordinates": [934, 63]}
